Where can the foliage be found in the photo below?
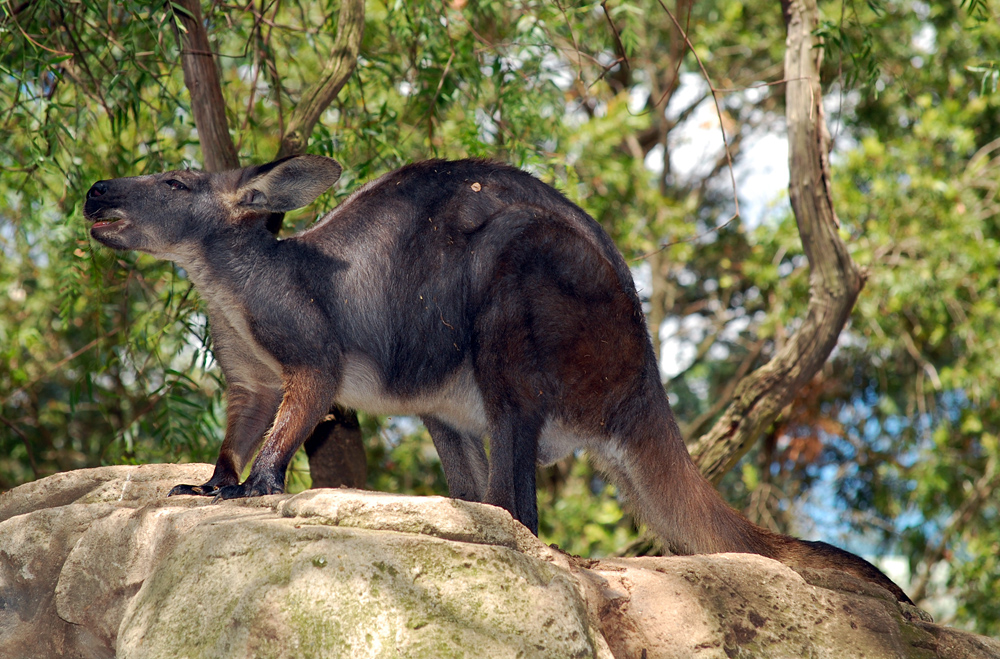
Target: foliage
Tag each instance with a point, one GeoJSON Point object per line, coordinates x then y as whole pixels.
{"type": "Point", "coordinates": [106, 357]}
{"type": "Point", "coordinates": [913, 390]}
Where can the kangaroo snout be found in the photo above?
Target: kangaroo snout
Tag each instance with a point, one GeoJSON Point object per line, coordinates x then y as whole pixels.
{"type": "Point", "coordinates": [99, 204]}
{"type": "Point", "coordinates": [97, 189]}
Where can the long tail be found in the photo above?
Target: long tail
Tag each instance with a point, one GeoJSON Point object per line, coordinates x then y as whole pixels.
{"type": "Point", "coordinates": [804, 553]}
{"type": "Point", "coordinates": [689, 516]}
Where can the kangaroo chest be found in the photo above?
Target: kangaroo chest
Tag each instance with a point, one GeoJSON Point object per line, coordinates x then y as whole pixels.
{"type": "Point", "coordinates": [243, 359]}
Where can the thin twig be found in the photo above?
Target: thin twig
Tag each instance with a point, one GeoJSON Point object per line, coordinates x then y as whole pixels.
{"type": "Point", "coordinates": [664, 246]}
{"type": "Point", "coordinates": [618, 39]}
{"type": "Point", "coordinates": [62, 362]}
{"type": "Point", "coordinates": [718, 108]}
{"type": "Point", "coordinates": [572, 35]}
{"type": "Point", "coordinates": [607, 70]}
{"type": "Point", "coordinates": [27, 444]}
{"type": "Point", "coordinates": [731, 90]}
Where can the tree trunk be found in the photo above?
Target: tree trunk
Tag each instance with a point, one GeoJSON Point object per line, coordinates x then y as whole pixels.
{"type": "Point", "coordinates": [834, 279]}
{"type": "Point", "coordinates": [201, 77]}
{"type": "Point", "coordinates": [336, 454]}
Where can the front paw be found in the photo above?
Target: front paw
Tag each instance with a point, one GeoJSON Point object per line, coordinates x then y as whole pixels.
{"type": "Point", "coordinates": [206, 490]}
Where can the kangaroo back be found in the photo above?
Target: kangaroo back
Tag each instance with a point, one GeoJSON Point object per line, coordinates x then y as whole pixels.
{"type": "Point", "coordinates": [468, 293]}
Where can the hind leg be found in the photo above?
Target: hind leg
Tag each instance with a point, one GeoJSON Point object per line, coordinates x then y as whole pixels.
{"type": "Point", "coordinates": [463, 458]}
{"type": "Point", "coordinates": [513, 453]}
{"type": "Point", "coordinates": [513, 386]}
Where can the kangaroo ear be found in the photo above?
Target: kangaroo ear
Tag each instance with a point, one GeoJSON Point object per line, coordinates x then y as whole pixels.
{"type": "Point", "coordinates": [287, 184]}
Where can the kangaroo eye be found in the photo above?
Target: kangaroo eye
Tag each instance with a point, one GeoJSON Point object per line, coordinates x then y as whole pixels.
{"type": "Point", "coordinates": [176, 185]}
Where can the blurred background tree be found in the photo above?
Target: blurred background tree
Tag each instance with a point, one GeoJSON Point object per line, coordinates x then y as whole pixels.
{"type": "Point", "coordinates": [891, 450]}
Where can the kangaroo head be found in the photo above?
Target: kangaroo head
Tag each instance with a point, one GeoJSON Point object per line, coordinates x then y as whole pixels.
{"type": "Point", "coordinates": [165, 214]}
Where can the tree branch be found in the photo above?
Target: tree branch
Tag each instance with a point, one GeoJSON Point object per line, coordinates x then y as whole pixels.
{"type": "Point", "coordinates": [336, 452]}
{"type": "Point", "coordinates": [703, 419]}
{"type": "Point", "coordinates": [317, 98]}
{"type": "Point", "coordinates": [25, 441]}
{"type": "Point", "coordinates": [834, 279]}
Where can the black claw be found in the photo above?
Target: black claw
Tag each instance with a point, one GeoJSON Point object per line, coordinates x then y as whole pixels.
{"type": "Point", "coordinates": [229, 492]}
{"type": "Point", "coordinates": [184, 489]}
{"type": "Point", "coordinates": [205, 490]}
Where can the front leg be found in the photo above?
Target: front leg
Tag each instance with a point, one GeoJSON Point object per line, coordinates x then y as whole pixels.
{"type": "Point", "coordinates": [251, 402]}
{"type": "Point", "coordinates": [248, 416]}
{"type": "Point", "coordinates": [308, 395]}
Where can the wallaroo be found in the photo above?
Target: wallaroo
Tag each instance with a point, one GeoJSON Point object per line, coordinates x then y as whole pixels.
{"type": "Point", "coordinates": [468, 293]}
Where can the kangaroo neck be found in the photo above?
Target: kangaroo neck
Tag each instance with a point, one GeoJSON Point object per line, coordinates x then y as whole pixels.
{"type": "Point", "coordinates": [230, 260]}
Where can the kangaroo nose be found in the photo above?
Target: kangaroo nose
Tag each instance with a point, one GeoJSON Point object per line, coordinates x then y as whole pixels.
{"type": "Point", "coordinates": [97, 189]}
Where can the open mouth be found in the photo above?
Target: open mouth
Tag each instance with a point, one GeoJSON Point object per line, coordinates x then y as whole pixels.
{"type": "Point", "coordinates": [103, 219]}
{"type": "Point", "coordinates": [99, 224]}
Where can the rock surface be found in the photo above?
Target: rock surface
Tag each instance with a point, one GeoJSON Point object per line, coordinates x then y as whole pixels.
{"type": "Point", "coordinates": [99, 563]}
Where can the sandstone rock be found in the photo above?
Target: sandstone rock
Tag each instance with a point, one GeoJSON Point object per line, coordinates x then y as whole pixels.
{"type": "Point", "coordinates": [99, 563]}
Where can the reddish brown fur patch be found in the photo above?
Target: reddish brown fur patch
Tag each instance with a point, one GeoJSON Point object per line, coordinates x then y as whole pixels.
{"type": "Point", "coordinates": [248, 417]}
{"type": "Point", "coordinates": [307, 397]}
{"type": "Point", "coordinates": [684, 509]}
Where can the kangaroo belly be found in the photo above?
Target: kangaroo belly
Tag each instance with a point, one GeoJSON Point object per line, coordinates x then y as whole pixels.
{"type": "Point", "coordinates": [456, 400]}
{"type": "Point", "coordinates": [559, 438]}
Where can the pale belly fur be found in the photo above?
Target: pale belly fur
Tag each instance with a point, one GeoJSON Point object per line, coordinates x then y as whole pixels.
{"type": "Point", "coordinates": [458, 402]}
